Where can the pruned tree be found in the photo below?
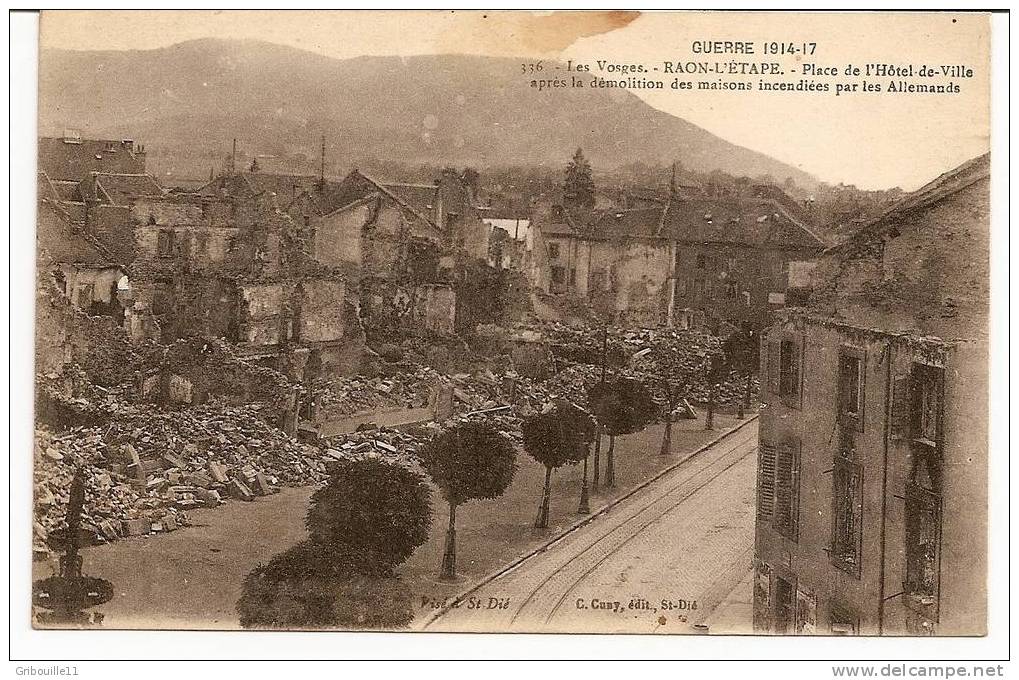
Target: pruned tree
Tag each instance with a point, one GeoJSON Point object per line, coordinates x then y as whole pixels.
{"type": "Point", "coordinates": [374, 508]}
{"type": "Point", "coordinates": [468, 461]}
{"type": "Point", "coordinates": [622, 406]}
{"type": "Point", "coordinates": [582, 425]}
{"type": "Point", "coordinates": [549, 439]}
{"type": "Point", "coordinates": [667, 374]}
{"type": "Point", "coordinates": [578, 189]}
{"type": "Point", "coordinates": [312, 586]}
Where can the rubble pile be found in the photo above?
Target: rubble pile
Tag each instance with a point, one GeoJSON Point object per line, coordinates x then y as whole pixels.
{"type": "Point", "coordinates": [637, 352]}
{"type": "Point", "coordinates": [407, 388]}
{"type": "Point", "coordinates": [146, 468]}
{"type": "Point", "coordinates": [114, 507]}
{"type": "Point", "coordinates": [382, 442]}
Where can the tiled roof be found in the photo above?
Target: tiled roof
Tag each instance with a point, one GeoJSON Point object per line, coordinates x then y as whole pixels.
{"type": "Point", "coordinates": [121, 189]}
{"type": "Point", "coordinates": [633, 223]}
{"type": "Point", "coordinates": [422, 197]}
{"type": "Point", "coordinates": [757, 222]}
{"type": "Point", "coordinates": [357, 185]}
{"type": "Point", "coordinates": [287, 187]}
{"type": "Point", "coordinates": [65, 244]}
{"type": "Point", "coordinates": [63, 160]}
{"type": "Point", "coordinates": [750, 221]}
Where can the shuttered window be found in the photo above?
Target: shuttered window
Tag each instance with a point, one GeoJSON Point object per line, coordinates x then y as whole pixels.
{"type": "Point", "coordinates": [847, 515]}
{"type": "Point", "coordinates": [852, 362]}
{"type": "Point", "coordinates": [787, 490]}
{"type": "Point", "coordinates": [923, 551]}
{"type": "Point", "coordinates": [766, 458]}
{"type": "Point", "coordinates": [902, 407]}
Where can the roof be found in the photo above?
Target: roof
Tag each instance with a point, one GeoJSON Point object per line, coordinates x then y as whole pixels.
{"type": "Point", "coordinates": [422, 197]}
{"type": "Point", "coordinates": [941, 187]}
{"type": "Point", "coordinates": [753, 221]}
{"type": "Point", "coordinates": [66, 244]}
{"type": "Point", "coordinates": [756, 222]}
{"type": "Point", "coordinates": [357, 186]}
{"type": "Point", "coordinates": [120, 189]}
{"type": "Point", "coordinates": [246, 184]}
{"type": "Point", "coordinates": [632, 223]}
{"type": "Point", "coordinates": [72, 159]}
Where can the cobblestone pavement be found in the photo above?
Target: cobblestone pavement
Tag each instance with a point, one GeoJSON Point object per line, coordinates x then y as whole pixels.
{"type": "Point", "coordinates": [658, 562]}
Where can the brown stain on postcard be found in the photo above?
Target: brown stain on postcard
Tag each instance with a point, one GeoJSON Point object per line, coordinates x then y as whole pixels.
{"type": "Point", "coordinates": [528, 33]}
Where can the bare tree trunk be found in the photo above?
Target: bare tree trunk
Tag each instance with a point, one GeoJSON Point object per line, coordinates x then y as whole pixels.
{"type": "Point", "coordinates": [750, 387]}
{"type": "Point", "coordinates": [585, 502]}
{"type": "Point", "coordinates": [667, 437]}
{"type": "Point", "coordinates": [709, 420]}
{"type": "Point", "coordinates": [597, 461]}
{"type": "Point", "coordinates": [610, 465]}
{"type": "Point", "coordinates": [542, 521]}
{"type": "Point", "coordinates": [449, 555]}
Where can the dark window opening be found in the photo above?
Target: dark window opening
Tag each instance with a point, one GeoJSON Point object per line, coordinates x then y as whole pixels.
{"type": "Point", "coordinates": [785, 603]}
{"type": "Point", "coordinates": [923, 551]}
{"type": "Point", "coordinates": [165, 243]}
{"type": "Point", "coordinates": [928, 387]}
{"type": "Point", "coordinates": [161, 303]}
{"type": "Point", "coordinates": [847, 515]}
{"type": "Point", "coordinates": [702, 261]}
{"type": "Point", "coordinates": [553, 251]}
{"type": "Point", "coordinates": [851, 388]}
{"type": "Point", "coordinates": [841, 621]}
{"type": "Point", "coordinates": [558, 275]}
{"type": "Point", "coordinates": [789, 371]}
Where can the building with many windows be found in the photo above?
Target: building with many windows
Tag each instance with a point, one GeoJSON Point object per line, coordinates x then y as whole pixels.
{"type": "Point", "coordinates": [726, 258]}
{"type": "Point", "coordinates": [872, 467]}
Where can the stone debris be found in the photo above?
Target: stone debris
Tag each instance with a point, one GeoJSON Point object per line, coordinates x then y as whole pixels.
{"type": "Point", "coordinates": [148, 467]}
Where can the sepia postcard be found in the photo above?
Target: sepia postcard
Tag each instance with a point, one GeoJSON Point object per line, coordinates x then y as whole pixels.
{"type": "Point", "coordinates": [513, 322]}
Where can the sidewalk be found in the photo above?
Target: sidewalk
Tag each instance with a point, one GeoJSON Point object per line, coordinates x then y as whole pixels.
{"type": "Point", "coordinates": [734, 615]}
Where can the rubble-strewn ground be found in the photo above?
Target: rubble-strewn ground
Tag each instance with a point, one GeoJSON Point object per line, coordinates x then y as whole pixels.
{"type": "Point", "coordinates": [194, 577]}
{"type": "Point", "coordinates": [147, 465]}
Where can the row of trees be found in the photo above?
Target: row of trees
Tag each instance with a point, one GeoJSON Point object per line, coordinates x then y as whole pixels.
{"type": "Point", "coordinates": [374, 513]}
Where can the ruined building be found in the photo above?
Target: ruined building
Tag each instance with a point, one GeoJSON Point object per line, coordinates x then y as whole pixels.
{"type": "Point", "coordinates": [218, 266]}
{"type": "Point", "coordinates": [872, 468]}
{"type": "Point", "coordinates": [399, 244]}
{"type": "Point", "coordinates": [666, 261]}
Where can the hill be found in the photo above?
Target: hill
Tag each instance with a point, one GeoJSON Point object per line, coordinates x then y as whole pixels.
{"type": "Point", "coordinates": [188, 100]}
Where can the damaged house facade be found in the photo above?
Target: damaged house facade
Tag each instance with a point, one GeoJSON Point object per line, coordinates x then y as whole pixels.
{"type": "Point", "coordinates": [218, 266]}
{"type": "Point", "coordinates": [872, 468]}
{"type": "Point", "coordinates": [686, 259]}
{"type": "Point", "coordinates": [399, 244]}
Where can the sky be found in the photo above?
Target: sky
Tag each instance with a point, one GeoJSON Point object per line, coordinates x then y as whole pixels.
{"type": "Point", "coordinates": [871, 140]}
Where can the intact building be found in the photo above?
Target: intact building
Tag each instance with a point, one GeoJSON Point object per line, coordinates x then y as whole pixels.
{"type": "Point", "coordinates": [872, 467]}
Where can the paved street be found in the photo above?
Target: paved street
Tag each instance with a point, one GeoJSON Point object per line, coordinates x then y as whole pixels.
{"type": "Point", "coordinates": [660, 561]}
